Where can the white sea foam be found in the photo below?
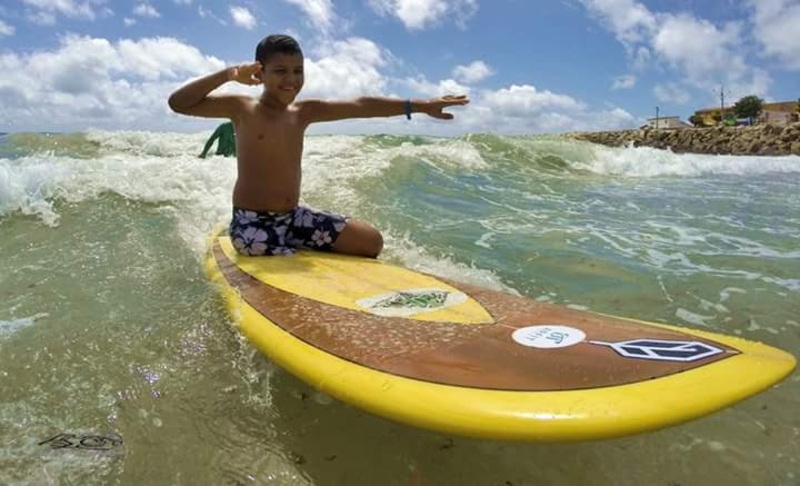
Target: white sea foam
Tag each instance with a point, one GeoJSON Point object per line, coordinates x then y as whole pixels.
{"type": "Point", "coordinates": [160, 144]}
{"type": "Point", "coordinates": [412, 256]}
{"type": "Point", "coordinates": [707, 242]}
{"type": "Point", "coordinates": [165, 169]}
{"type": "Point", "coordinates": [692, 318]}
{"type": "Point", "coordinates": [650, 162]}
{"type": "Point", "coordinates": [31, 187]}
{"type": "Point", "coordinates": [13, 325]}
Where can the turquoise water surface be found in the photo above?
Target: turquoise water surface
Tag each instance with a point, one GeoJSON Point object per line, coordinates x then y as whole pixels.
{"type": "Point", "coordinates": [109, 327]}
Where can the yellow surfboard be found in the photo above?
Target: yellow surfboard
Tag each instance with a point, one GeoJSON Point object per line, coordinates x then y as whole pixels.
{"type": "Point", "coordinates": [452, 357]}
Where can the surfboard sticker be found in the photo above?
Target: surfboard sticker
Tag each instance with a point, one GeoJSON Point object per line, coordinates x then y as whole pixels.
{"type": "Point", "coordinates": [662, 350]}
{"type": "Point", "coordinates": [548, 336]}
{"type": "Point", "coordinates": [405, 303]}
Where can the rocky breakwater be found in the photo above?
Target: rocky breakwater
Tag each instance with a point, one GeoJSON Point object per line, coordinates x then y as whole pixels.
{"type": "Point", "coordinates": [755, 140]}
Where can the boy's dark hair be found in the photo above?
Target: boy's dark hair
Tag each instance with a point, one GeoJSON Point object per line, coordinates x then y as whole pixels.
{"type": "Point", "coordinates": [276, 44]}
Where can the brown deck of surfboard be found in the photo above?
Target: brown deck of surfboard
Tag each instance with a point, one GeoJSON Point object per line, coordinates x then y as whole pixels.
{"type": "Point", "coordinates": [469, 355]}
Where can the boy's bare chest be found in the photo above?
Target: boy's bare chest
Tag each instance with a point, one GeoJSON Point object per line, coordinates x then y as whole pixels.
{"type": "Point", "coordinates": [270, 143]}
{"type": "Point", "coordinates": [283, 130]}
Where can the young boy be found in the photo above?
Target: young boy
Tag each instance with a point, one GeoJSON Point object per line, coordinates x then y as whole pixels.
{"type": "Point", "coordinates": [267, 218]}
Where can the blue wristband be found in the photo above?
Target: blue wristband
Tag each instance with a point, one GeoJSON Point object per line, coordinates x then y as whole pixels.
{"type": "Point", "coordinates": [407, 108]}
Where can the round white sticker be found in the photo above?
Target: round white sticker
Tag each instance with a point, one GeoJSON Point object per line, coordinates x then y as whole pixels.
{"type": "Point", "coordinates": [548, 336]}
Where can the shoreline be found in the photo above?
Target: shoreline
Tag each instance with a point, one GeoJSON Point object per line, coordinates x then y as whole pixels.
{"type": "Point", "coordinates": [755, 140]}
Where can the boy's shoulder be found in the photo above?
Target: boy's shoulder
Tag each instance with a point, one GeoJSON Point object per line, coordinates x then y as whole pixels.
{"type": "Point", "coordinates": [312, 108]}
{"type": "Point", "coordinates": [308, 104]}
{"type": "Point", "coordinates": [306, 108]}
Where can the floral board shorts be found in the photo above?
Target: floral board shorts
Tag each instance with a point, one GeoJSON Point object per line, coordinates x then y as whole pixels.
{"type": "Point", "coordinates": [259, 233]}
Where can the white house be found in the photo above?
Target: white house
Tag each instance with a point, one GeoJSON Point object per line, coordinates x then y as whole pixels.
{"type": "Point", "coordinates": [666, 122]}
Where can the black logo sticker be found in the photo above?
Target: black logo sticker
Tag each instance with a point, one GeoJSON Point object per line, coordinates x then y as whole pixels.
{"type": "Point", "coordinates": [84, 441]}
{"type": "Point", "coordinates": [662, 350]}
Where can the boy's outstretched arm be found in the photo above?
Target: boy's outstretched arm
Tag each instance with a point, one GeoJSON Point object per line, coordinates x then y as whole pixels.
{"type": "Point", "coordinates": [371, 107]}
{"type": "Point", "coordinates": [193, 98]}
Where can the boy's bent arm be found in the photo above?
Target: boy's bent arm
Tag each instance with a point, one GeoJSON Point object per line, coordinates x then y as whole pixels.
{"type": "Point", "coordinates": [193, 98]}
{"type": "Point", "coordinates": [371, 107]}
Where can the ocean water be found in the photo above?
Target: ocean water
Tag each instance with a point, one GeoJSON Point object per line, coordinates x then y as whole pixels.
{"type": "Point", "coordinates": [108, 326]}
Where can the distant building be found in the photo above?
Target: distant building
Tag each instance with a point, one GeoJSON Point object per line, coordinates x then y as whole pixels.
{"type": "Point", "coordinates": [777, 117]}
{"type": "Point", "coordinates": [712, 116]}
{"type": "Point", "coordinates": [776, 113]}
{"type": "Point", "coordinates": [666, 122]}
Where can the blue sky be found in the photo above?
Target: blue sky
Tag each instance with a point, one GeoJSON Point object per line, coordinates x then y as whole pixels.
{"type": "Point", "coordinates": [528, 66]}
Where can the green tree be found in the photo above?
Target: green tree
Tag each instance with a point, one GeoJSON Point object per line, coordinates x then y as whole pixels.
{"type": "Point", "coordinates": [797, 115]}
{"type": "Point", "coordinates": [749, 107]}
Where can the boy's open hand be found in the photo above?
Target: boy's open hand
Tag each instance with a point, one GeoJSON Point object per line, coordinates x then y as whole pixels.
{"type": "Point", "coordinates": [434, 106]}
{"type": "Point", "coordinates": [247, 73]}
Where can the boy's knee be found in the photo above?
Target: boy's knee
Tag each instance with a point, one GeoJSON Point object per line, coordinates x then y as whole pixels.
{"type": "Point", "coordinates": [371, 243]}
{"type": "Point", "coordinates": [376, 244]}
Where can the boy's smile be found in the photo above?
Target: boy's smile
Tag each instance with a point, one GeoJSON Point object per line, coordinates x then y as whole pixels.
{"type": "Point", "coordinates": [283, 77]}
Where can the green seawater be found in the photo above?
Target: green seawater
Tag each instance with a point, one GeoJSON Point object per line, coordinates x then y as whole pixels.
{"type": "Point", "coordinates": [108, 325]}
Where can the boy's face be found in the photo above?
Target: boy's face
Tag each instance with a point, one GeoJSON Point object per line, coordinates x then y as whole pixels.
{"type": "Point", "coordinates": [282, 76]}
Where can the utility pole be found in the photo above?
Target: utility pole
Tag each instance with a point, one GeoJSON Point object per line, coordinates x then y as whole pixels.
{"type": "Point", "coordinates": [656, 117]}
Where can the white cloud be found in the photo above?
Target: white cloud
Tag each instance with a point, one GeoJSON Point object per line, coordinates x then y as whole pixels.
{"type": "Point", "coordinates": [631, 22]}
{"type": "Point", "coordinates": [42, 17]}
{"type": "Point", "coordinates": [445, 87]}
{"type": "Point", "coordinates": [94, 82]}
{"type": "Point", "coordinates": [146, 10]}
{"type": "Point", "coordinates": [354, 68]}
{"type": "Point", "coordinates": [642, 58]}
{"type": "Point", "coordinates": [758, 84]}
{"type": "Point", "coordinates": [777, 24]}
{"type": "Point", "coordinates": [163, 57]}
{"type": "Point", "coordinates": [671, 93]}
{"type": "Point", "coordinates": [208, 14]}
{"type": "Point", "coordinates": [419, 14]}
{"type": "Point", "coordinates": [524, 110]}
{"type": "Point", "coordinates": [346, 68]}
{"type": "Point", "coordinates": [320, 12]}
{"type": "Point", "coordinates": [242, 17]}
{"type": "Point", "coordinates": [6, 29]}
{"type": "Point", "coordinates": [626, 81]}
{"type": "Point", "coordinates": [45, 11]}
{"type": "Point", "coordinates": [526, 100]}
{"type": "Point", "coordinates": [700, 49]}
{"type": "Point", "coordinates": [129, 21]}
{"type": "Point", "coordinates": [472, 73]}
{"type": "Point", "coordinates": [702, 53]}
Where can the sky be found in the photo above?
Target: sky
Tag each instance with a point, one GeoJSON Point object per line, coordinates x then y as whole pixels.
{"type": "Point", "coordinates": [544, 66]}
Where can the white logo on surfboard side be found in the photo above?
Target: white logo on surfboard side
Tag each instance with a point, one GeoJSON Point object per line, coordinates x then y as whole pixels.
{"type": "Point", "coordinates": [548, 336]}
{"type": "Point", "coordinates": [405, 303]}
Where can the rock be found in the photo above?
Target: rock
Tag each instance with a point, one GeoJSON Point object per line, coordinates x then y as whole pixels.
{"type": "Point", "coordinates": [760, 139]}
